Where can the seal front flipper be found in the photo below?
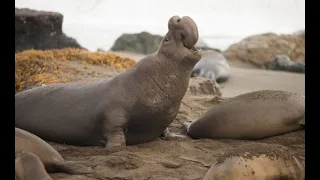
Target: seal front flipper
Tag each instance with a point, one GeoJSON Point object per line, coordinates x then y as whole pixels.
{"type": "Point", "coordinates": [72, 167]}
{"type": "Point", "coordinates": [115, 123]}
{"type": "Point", "coordinates": [169, 135]}
{"type": "Point", "coordinates": [187, 125]}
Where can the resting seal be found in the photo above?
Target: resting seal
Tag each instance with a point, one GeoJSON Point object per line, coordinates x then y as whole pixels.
{"type": "Point", "coordinates": [259, 162]}
{"type": "Point", "coordinates": [253, 115]}
{"type": "Point", "coordinates": [133, 107]}
{"type": "Point", "coordinates": [28, 166]}
{"type": "Point", "coordinates": [213, 66]}
{"type": "Point", "coordinates": [51, 159]}
{"type": "Point", "coordinates": [284, 63]}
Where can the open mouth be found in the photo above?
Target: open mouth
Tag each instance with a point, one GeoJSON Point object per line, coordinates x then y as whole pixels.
{"type": "Point", "coordinates": [193, 50]}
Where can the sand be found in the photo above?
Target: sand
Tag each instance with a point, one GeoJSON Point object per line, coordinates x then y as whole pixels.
{"type": "Point", "coordinates": [185, 159]}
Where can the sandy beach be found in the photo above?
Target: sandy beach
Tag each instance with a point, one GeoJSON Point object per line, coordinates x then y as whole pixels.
{"type": "Point", "coordinates": [182, 159]}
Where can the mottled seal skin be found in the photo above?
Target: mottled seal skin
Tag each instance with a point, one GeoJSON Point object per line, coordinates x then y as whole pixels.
{"type": "Point", "coordinates": [213, 66]}
{"type": "Point", "coordinates": [274, 165]}
{"type": "Point", "coordinates": [253, 115]}
{"type": "Point", "coordinates": [133, 107]}
{"type": "Point", "coordinates": [28, 166]}
{"type": "Point", "coordinates": [51, 159]}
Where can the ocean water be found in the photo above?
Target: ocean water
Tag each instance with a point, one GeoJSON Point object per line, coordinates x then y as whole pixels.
{"type": "Point", "coordinates": [98, 23]}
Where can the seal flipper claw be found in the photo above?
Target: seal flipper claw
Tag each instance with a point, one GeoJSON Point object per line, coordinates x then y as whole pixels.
{"type": "Point", "coordinates": [116, 138]}
{"type": "Point", "coordinates": [168, 135]}
{"type": "Point", "coordinates": [187, 125]}
{"type": "Point", "coordinates": [220, 99]}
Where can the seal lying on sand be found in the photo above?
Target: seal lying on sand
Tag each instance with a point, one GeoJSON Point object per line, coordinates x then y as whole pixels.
{"type": "Point", "coordinates": [28, 166]}
{"type": "Point", "coordinates": [284, 63]}
{"type": "Point", "coordinates": [253, 115]}
{"type": "Point", "coordinates": [133, 107]}
{"type": "Point", "coordinates": [51, 159]}
{"type": "Point", "coordinates": [260, 162]}
{"type": "Point", "coordinates": [212, 65]}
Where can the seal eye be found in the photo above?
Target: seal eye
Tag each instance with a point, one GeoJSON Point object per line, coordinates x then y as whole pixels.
{"type": "Point", "coordinates": [166, 40]}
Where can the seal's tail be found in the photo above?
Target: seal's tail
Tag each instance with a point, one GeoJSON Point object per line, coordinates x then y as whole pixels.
{"type": "Point", "coordinates": [74, 167]}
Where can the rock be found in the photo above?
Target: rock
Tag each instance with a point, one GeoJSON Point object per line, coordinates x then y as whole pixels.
{"type": "Point", "coordinates": [143, 42]}
{"type": "Point", "coordinates": [284, 63]}
{"type": "Point", "coordinates": [300, 33]}
{"type": "Point", "coordinates": [259, 50]}
{"type": "Point", "coordinates": [212, 65]}
{"type": "Point", "coordinates": [101, 50]}
{"type": "Point", "coordinates": [202, 86]}
{"type": "Point", "coordinates": [40, 30]}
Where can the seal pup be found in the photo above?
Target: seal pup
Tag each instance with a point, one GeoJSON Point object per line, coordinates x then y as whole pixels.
{"type": "Point", "coordinates": [133, 107]}
{"type": "Point", "coordinates": [28, 166]}
{"type": "Point", "coordinates": [253, 115]}
{"type": "Point", "coordinates": [51, 159]}
{"type": "Point", "coordinates": [213, 65]}
{"type": "Point", "coordinates": [257, 162]}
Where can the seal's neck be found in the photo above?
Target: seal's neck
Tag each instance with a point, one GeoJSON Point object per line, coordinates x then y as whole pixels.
{"type": "Point", "coordinates": [157, 72]}
{"type": "Point", "coordinates": [181, 63]}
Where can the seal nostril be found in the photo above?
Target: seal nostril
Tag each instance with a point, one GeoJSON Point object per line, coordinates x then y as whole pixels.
{"type": "Point", "coordinates": [178, 20]}
{"type": "Point", "coordinates": [182, 36]}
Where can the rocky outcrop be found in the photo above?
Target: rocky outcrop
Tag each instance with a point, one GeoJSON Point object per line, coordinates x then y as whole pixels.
{"type": "Point", "coordinates": [203, 86]}
{"type": "Point", "coordinates": [260, 50]}
{"type": "Point", "coordinates": [143, 42]}
{"type": "Point", "coordinates": [284, 63]}
{"type": "Point", "coordinates": [146, 43]}
{"type": "Point", "coordinates": [40, 30]}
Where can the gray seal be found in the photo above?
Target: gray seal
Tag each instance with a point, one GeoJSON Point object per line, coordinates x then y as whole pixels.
{"type": "Point", "coordinates": [51, 159]}
{"type": "Point", "coordinates": [284, 63]}
{"type": "Point", "coordinates": [253, 115]}
{"type": "Point", "coordinates": [213, 65]}
{"type": "Point", "coordinates": [133, 107]}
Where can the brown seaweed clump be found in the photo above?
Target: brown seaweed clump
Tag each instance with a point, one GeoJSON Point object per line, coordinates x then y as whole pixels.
{"type": "Point", "coordinates": [36, 67]}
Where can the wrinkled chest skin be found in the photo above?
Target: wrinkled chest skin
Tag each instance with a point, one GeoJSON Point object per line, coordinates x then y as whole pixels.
{"type": "Point", "coordinates": [160, 89]}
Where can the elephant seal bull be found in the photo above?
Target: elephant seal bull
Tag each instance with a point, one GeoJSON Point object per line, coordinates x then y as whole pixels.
{"type": "Point", "coordinates": [51, 159]}
{"type": "Point", "coordinates": [133, 107]}
{"type": "Point", "coordinates": [253, 116]}
{"type": "Point", "coordinates": [28, 166]}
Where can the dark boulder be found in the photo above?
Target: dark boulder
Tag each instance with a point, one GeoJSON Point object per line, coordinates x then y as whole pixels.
{"type": "Point", "coordinates": [40, 30]}
{"type": "Point", "coordinates": [143, 42]}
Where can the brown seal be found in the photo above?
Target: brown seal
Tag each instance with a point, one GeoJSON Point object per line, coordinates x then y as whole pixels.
{"type": "Point", "coordinates": [51, 159]}
{"type": "Point", "coordinates": [257, 162]}
{"type": "Point", "coordinates": [28, 166]}
{"type": "Point", "coordinates": [133, 107]}
{"type": "Point", "coordinates": [253, 115]}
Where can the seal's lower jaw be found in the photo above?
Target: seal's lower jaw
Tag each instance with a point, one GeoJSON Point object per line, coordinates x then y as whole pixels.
{"type": "Point", "coordinates": [195, 51]}
{"type": "Point", "coordinates": [196, 54]}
